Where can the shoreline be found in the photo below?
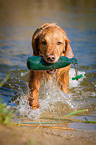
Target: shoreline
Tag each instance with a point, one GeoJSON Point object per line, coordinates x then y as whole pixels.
{"type": "Point", "coordinates": [13, 135]}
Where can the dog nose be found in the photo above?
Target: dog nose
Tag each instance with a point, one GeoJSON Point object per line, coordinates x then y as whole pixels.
{"type": "Point", "coordinates": [51, 58]}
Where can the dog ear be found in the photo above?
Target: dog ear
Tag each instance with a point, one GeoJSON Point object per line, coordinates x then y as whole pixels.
{"type": "Point", "coordinates": [35, 39]}
{"type": "Point", "coordinates": [68, 50]}
{"type": "Point", "coordinates": [35, 42]}
{"type": "Point", "coordinates": [35, 45]}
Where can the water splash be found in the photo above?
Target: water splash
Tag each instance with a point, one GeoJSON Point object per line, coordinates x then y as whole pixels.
{"type": "Point", "coordinates": [49, 95]}
{"type": "Point", "coordinates": [75, 83]}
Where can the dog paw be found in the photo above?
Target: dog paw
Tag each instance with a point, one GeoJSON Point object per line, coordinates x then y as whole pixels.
{"type": "Point", "coordinates": [35, 104]}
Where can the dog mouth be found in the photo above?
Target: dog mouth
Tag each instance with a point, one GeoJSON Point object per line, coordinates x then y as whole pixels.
{"type": "Point", "coordinates": [50, 60]}
{"type": "Point", "coordinates": [51, 71]}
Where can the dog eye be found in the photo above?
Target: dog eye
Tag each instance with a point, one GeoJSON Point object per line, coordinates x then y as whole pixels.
{"type": "Point", "coordinates": [59, 43]}
{"type": "Point", "coordinates": [44, 42]}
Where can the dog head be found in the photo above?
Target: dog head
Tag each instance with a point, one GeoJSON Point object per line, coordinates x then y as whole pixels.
{"type": "Point", "coordinates": [50, 42]}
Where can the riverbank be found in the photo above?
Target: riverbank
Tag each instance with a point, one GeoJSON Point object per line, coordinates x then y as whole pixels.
{"type": "Point", "coordinates": [13, 135]}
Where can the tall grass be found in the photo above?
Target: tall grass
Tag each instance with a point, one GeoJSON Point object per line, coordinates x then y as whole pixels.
{"type": "Point", "coordinates": [5, 114]}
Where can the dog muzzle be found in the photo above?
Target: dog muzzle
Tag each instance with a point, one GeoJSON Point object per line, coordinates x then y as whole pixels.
{"type": "Point", "coordinates": [51, 71]}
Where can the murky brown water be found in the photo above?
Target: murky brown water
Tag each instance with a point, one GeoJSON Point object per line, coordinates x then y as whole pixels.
{"type": "Point", "coordinates": [18, 21]}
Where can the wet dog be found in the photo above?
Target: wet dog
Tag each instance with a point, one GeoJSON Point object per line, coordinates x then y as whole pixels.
{"type": "Point", "coordinates": [50, 42]}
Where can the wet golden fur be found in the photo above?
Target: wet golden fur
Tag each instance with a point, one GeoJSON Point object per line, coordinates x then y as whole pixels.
{"type": "Point", "coordinates": [50, 42]}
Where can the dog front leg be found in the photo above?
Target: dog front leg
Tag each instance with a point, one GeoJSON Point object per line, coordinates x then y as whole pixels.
{"type": "Point", "coordinates": [63, 83]}
{"type": "Point", "coordinates": [34, 85]}
{"type": "Point", "coordinates": [63, 79]}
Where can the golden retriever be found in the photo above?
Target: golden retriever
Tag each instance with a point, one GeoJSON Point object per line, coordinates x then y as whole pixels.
{"type": "Point", "coordinates": [50, 42]}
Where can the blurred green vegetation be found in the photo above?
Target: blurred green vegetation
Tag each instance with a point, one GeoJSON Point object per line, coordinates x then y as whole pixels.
{"type": "Point", "coordinates": [5, 114]}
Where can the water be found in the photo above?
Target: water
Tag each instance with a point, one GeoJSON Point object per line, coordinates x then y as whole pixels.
{"type": "Point", "coordinates": [18, 21]}
{"type": "Point", "coordinates": [50, 96]}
